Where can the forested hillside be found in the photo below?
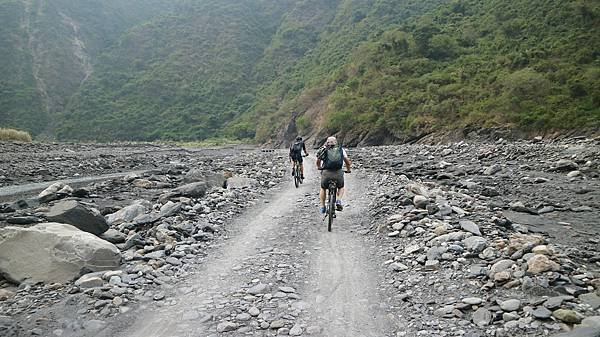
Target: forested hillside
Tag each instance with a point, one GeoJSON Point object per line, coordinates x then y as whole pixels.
{"type": "Point", "coordinates": [528, 64]}
{"type": "Point", "coordinates": [380, 70]}
{"type": "Point", "coordinates": [48, 48]}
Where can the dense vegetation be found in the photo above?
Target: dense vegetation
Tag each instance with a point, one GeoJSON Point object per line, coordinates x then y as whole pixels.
{"type": "Point", "coordinates": [48, 50]}
{"type": "Point", "coordinates": [192, 70]}
{"type": "Point", "coordinates": [530, 64]}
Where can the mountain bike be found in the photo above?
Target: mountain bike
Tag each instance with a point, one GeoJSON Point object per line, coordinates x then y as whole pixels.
{"type": "Point", "coordinates": [297, 173]}
{"type": "Point", "coordinates": [330, 203]}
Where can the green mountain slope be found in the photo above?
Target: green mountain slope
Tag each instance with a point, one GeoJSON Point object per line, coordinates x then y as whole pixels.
{"type": "Point", "coordinates": [378, 70]}
{"type": "Point", "coordinates": [180, 77]}
{"type": "Point", "coordinates": [224, 67]}
{"type": "Point", "coordinates": [529, 64]}
{"type": "Point", "coordinates": [50, 47]}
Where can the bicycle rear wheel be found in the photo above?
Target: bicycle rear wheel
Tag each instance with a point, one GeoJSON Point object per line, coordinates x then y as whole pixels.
{"type": "Point", "coordinates": [331, 209]}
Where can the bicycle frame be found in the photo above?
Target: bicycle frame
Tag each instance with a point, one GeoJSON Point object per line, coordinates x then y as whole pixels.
{"type": "Point", "coordinates": [331, 197]}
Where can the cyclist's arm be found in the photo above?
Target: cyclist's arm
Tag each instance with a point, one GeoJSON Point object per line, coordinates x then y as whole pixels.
{"type": "Point", "coordinates": [347, 161]}
{"type": "Point", "coordinates": [319, 163]}
{"type": "Point", "coordinates": [304, 148]}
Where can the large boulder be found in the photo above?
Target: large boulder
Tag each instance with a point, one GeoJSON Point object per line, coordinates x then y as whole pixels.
{"type": "Point", "coordinates": [53, 252]}
{"type": "Point", "coordinates": [73, 213]}
{"type": "Point", "coordinates": [213, 179]}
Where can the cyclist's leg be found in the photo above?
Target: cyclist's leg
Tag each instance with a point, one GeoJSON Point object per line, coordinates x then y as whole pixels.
{"type": "Point", "coordinates": [341, 189]}
{"type": "Point", "coordinates": [322, 194]}
{"type": "Point", "coordinates": [323, 191]}
{"type": "Point", "coordinates": [340, 193]}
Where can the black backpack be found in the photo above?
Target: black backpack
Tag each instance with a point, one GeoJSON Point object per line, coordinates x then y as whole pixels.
{"type": "Point", "coordinates": [333, 158]}
{"type": "Point", "coordinates": [297, 147]}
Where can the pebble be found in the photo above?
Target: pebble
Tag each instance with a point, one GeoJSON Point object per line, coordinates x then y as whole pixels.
{"type": "Point", "coordinates": [510, 305]}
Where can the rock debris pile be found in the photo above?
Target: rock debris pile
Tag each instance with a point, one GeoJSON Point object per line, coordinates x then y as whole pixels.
{"type": "Point", "coordinates": [102, 247]}
{"type": "Point", "coordinates": [470, 252]}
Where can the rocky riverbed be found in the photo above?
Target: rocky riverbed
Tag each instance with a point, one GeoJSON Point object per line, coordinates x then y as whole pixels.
{"type": "Point", "coordinates": [462, 239]}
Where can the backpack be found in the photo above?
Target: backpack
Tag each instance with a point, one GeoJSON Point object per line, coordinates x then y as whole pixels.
{"type": "Point", "coordinates": [333, 158]}
{"type": "Point", "coordinates": [297, 147]}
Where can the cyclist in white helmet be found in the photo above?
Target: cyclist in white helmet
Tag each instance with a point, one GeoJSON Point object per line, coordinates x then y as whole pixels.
{"type": "Point", "coordinates": [330, 159]}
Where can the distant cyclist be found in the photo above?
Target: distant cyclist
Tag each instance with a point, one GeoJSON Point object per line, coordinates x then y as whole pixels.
{"type": "Point", "coordinates": [331, 158]}
{"type": "Point", "coordinates": [296, 154]}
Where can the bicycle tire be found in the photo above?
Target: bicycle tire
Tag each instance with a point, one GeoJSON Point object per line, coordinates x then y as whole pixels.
{"type": "Point", "coordinates": [295, 175]}
{"type": "Point", "coordinates": [331, 209]}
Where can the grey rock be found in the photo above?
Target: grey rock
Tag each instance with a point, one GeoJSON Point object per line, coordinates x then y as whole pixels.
{"type": "Point", "coordinates": [156, 255]}
{"type": "Point", "coordinates": [478, 270]}
{"type": "Point", "coordinates": [491, 170]}
{"type": "Point", "coordinates": [412, 249]}
{"type": "Point", "coordinates": [470, 226]}
{"type": "Point", "coordinates": [541, 313]}
{"type": "Point", "coordinates": [170, 208]}
{"type": "Point", "coordinates": [420, 201]}
{"type": "Point", "coordinates": [565, 165]}
{"type": "Point", "coordinates": [113, 236]}
{"type": "Point", "coordinates": [133, 241]}
{"type": "Point", "coordinates": [192, 190]}
{"type": "Point", "coordinates": [277, 324]}
{"type": "Point", "coordinates": [472, 300]}
{"type": "Point", "coordinates": [591, 322]}
{"type": "Point", "coordinates": [510, 316]}
{"type": "Point", "coordinates": [482, 317]}
{"type": "Point", "coordinates": [259, 288]}
{"type": "Point", "coordinates": [581, 332]}
{"type": "Point", "coordinates": [243, 317]}
{"type": "Point", "coordinates": [432, 265]}
{"type": "Point", "coordinates": [435, 252]}
{"type": "Point", "coordinates": [173, 261]}
{"type": "Point", "coordinates": [590, 299]}
{"type": "Point", "coordinates": [92, 280]}
{"type": "Point", "coordinates": [94, 325]}
{"type": "Point", "coordinates": [205, 176]}
{"type": "Point", "coordinates": [240, 182]}
{"type": "Point", "coordinates": [52, 252]}
{"type": "Point", "coordinates": [446, 311]}
{"type": "Point", "coordinates": [475, 243]}
{"type": "Point", "coordinates": [296, 330]}
{"type": "Point", "coordinates": [554, 302]}
{"type": "Point", "coordinates": [128, 213]}
{"type": "Point", "coordinates": [226, 327]}
{"type": "Point", "coordinates": [397, 266]}
{"type": "Point", "coordinates": [72, 213]}
{"type": "Point", "coordinates": [510, 305]}
{"type": "Point", "coordinates": [500, 266]}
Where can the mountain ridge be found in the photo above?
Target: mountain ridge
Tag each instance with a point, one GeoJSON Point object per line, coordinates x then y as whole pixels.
{"type": "Point", "coordinates": [370, 71]}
